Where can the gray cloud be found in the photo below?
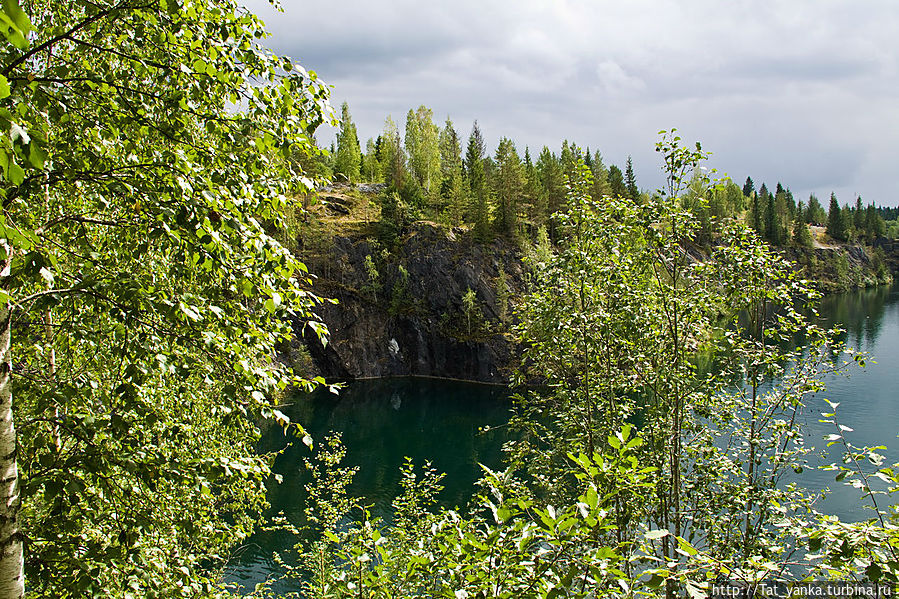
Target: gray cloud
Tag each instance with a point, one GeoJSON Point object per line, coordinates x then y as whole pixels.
{"type": "Point", "coordinates": [798, 91]}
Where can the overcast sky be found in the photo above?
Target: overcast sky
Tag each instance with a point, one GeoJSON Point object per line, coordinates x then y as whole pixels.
{"type": "Point", "coordinates": [805, 92]}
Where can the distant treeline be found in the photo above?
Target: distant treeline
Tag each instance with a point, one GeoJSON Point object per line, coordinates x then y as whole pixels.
{"type": "Point", "coordinates": [429, 175]}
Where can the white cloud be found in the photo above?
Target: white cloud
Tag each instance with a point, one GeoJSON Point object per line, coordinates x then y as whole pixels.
{"type": "Point", "coordinates": [801, 91]}
{"type": "Point", "coordinates": [615, 80]}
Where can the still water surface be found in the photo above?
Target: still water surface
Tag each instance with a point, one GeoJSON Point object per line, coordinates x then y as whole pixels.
{"type": "Point", "coordinates": [385, 420]}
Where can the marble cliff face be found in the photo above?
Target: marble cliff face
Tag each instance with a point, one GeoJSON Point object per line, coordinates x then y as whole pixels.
{"type": "Point", "coordinates": [412, 320]}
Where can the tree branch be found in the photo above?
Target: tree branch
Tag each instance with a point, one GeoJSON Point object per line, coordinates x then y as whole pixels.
{"type": "Point", "coordinates": [40, 48]}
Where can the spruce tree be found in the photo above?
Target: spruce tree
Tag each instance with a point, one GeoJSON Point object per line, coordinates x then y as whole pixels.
{"type": "Point", "coordinates": [617, 188]}
{"type": "Point", "coordinates": [452, 187]}
{"type": "Point", "coordinates": [600, 178]}
{"type": "Point", "coordinates": [477, 188]}
{"type": "Point", "coordinates": [814, 213]}
{"type": "Point", "coordinates": [630, 180]}
{"type": "Point", "coordinates": [552, 183]}
{"type": "Point", "coordinates": [858, 217]}
{"type": "Point", "coordinates": [835, 220]}
{"type": "Point", "coordinates": [748, 187]}
{"type": "Point", "coordinates": [532, 196]}
{"type": "Point", "coordinates": [508, 185]}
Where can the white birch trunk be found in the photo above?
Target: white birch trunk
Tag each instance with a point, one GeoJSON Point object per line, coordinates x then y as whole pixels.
{"type": "Point", "coordinates": [12, 576]}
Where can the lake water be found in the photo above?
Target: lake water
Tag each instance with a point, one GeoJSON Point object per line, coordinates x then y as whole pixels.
{"type": "Point", "coordinates": [383, 421]}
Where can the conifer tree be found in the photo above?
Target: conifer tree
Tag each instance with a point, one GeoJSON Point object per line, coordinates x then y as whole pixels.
{"type": "Point", "coordinates": [452, 186]}
{"type": "Point", "coordinates": [874, 225]}
{"type": "Point", "coordinates": [600, 187]}
{"type": "Point", "coordinates": [552, 183]}
{"type": "Point", "coordinates": [630, 181]}
{"type": "Point", "coordinates": [508, 185]}
{"type": "Point", "coordinates": [814, 213]}
{"type": "Point", "coordinates": [858, 217]}
{"type": "Point", "coordinates": [532, 196]}
{"type": "Point", "coordinates": [848, 224]}
{"type": "Point", "coordinates": [477, 188]}
{"type": "Point", "coordinates": [835, 227]}
{"type": "Point", "coordinates": [748, 187]}
{"type": "Point", "coordinates": [617, 188]}
{"type": "Point", "coordinates": [568, 158]}
{"type": "Point", "coordinates": [756, 214]}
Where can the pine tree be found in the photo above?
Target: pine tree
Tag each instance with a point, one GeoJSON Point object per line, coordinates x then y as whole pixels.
{"type": "Point", "coordinates": [630, 181]}
{"type": "Point", "coordinates": [477, 188]}
{"type": "Point", "coordinates": [814, 213]}
{"type": "Point", "coordinates": [508, 185]}
{"type": "Point", "coordinates": [858, 217]}
{"type": "Point", "coordinates": [532, 196]}
{"type": "Point", "coordinates": [835, 226]}
{"type": "Point", "coordinates": [568, 158]}
{"type": "Point", "coordinates": [756, 215]}
{"type": "Point", "coordinates": [452, 187]}
{"type": "Point", "coordinates": [617, 187]}
{"type": "Point", "coordinates": [347, 160]}
{"type": "Point", "coordinates": [600, 178]}
{"type": "Point", "coordinates": [552, 183]}
{"type": "Point", "coordinates": [874, 225]}
{"type": "Point", "coordinates": [748, 187]}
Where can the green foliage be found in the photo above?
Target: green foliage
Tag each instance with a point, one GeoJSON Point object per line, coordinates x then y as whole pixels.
{"type": "Point", "coordinates": [371, 167]}
{"type": "Point", "coordinates": [617, 187]}
{"type": "Point", "coordinates": [149, 147]}
{"type": "Point", "coordinates": [508, 185]}
{"type": "Point", "coordinates": [400, 297]}
{"type": "Point", "coordinates": [815, 213]}
{"type": "Point", "coordinates": [392, 157]}
{"type": "Point", "coordinates": [801, 235]}
{"type": "Point", "coordinates": [373, 283]}
{"type": "Point", "coordinates": [479, 210]}
{"type": "Point", "coordinates": [470, 307]}
{"type": "Point", "coordinates": [423, 148]}
{"type": "Point", "coordinates": [617, 325]}
{"type": "Point", "coordinates": [347, 162]}
{"type": "Point", "coordinates": [395, 216]}
{"type": "Point", "coordinates": [836, 228]}
{"type": "Point", "coordinates": [508, 546]}
{"type": "Point", "coordinates": [748, 187]}
{"type": "Point", "coordinates": [452, 186]}
{"type": "Point", "coordinates": [630, 181]}
{"type": "Point", "coordinates": [639, 470]}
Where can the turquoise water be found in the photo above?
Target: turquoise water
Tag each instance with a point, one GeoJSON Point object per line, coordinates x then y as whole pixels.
{"type": "Point", "coordinates": [383, 421]}
{"type": "Point", "coordinates": [868, 397]}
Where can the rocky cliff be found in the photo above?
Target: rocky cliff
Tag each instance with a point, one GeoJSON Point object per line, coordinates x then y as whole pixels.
{"type": "Point", "coordinates": [402, 309]}
{"type": "Point", "coordinates": [841, 268]}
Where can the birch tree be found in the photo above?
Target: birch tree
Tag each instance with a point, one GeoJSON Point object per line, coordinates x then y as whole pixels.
{"type": "Point", "coordinates": [141, 297]}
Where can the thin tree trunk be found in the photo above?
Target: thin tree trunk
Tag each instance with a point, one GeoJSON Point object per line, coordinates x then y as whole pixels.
{"type": "Point", "coordinates": [12, 576]}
